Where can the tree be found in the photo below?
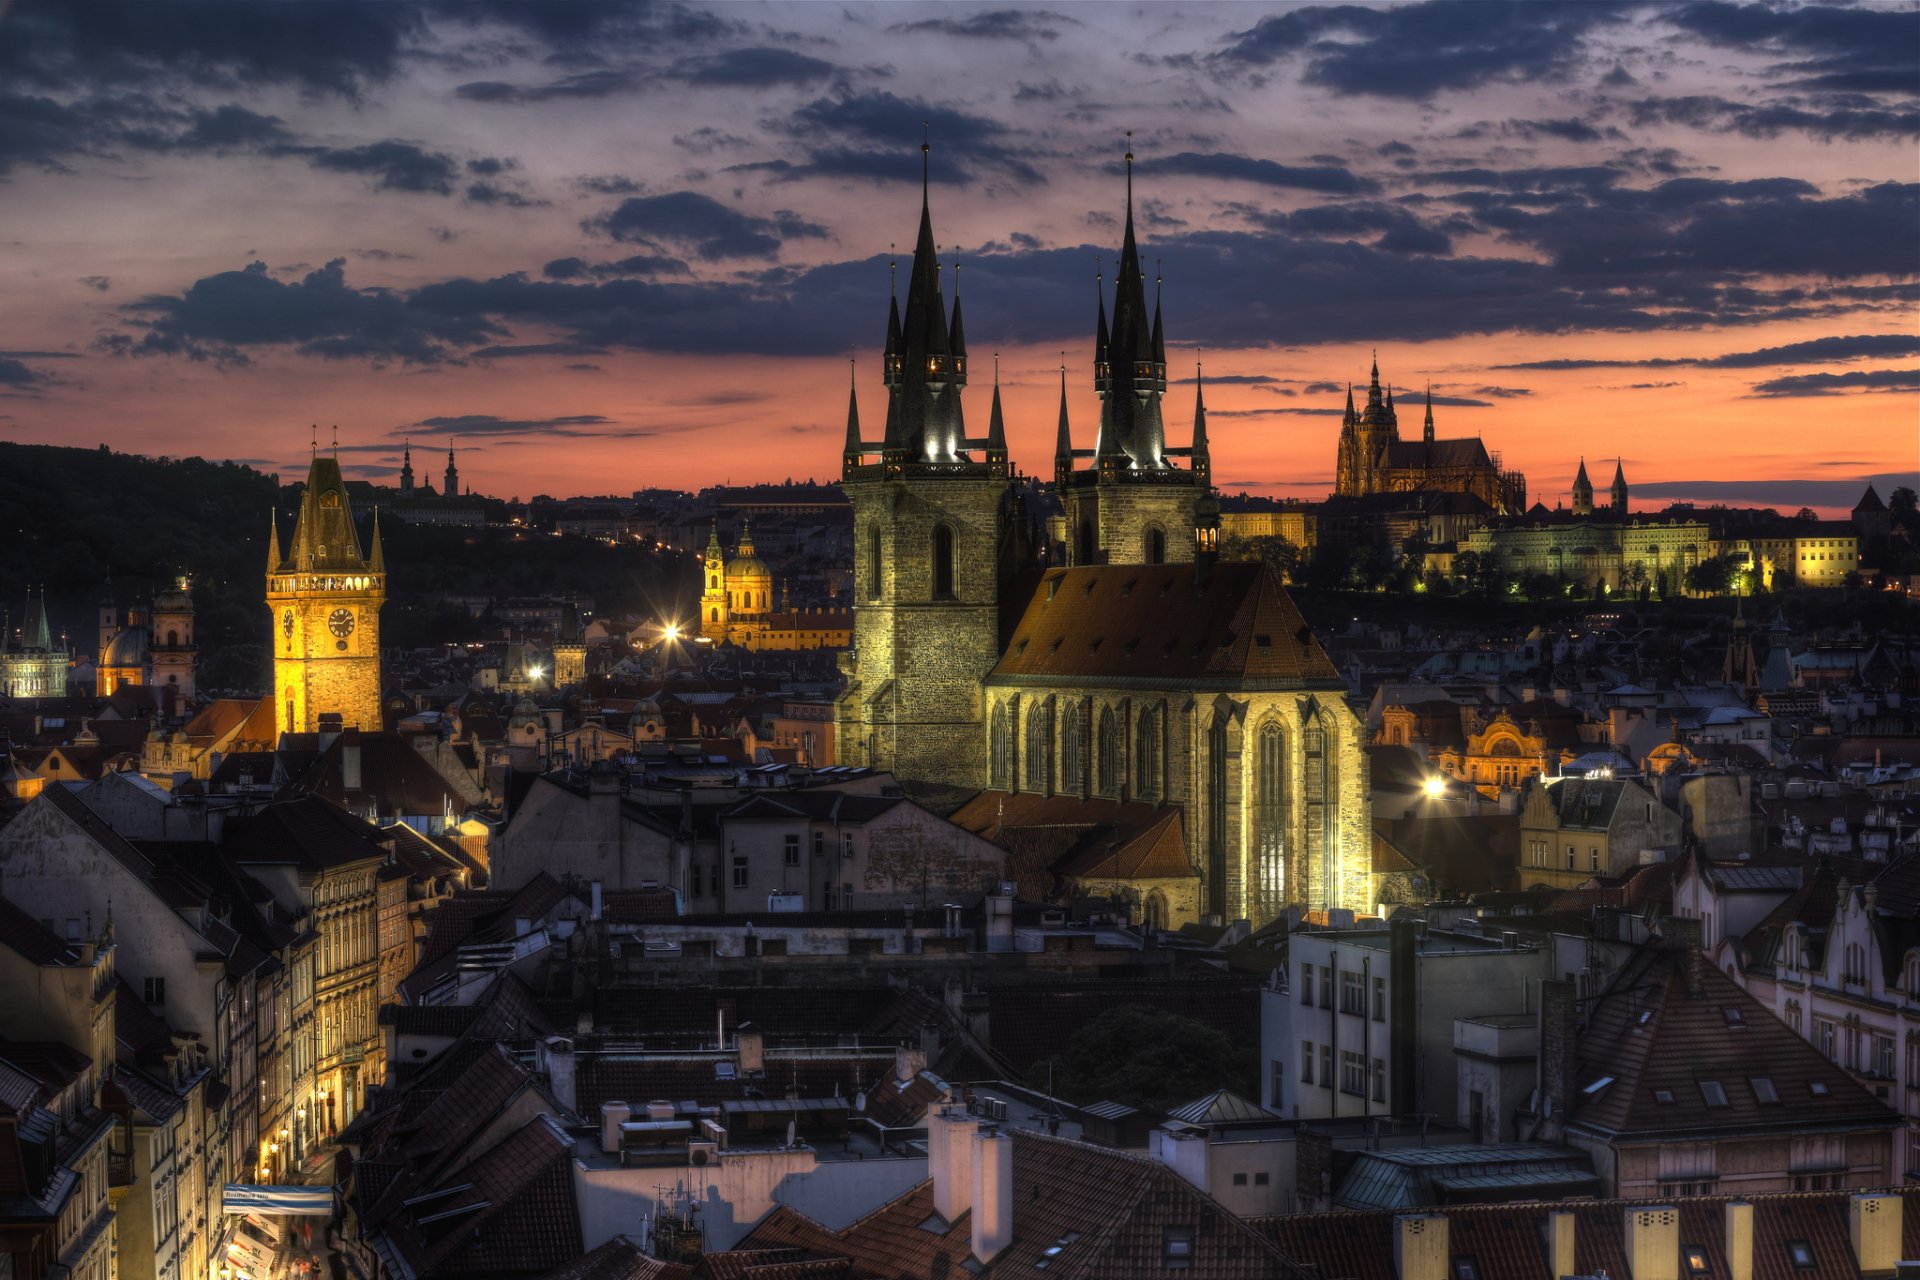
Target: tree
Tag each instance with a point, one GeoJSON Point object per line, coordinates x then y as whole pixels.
{"type": "Point", "coordinates": [1712, 576]}
{"type": "Point", "coordinates": [1148, 1058]}
{"type": "Point", "coordinates": [1634, 578]}
{"type": "Point", "coordinates": [1806, 514]}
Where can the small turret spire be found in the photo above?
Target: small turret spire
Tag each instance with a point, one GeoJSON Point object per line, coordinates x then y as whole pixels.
{"type": "Point", "coordinates": [273, 543]}
{"type": "Point", "coordinates": [1202, 459]}
{"type": "Point", "coordinates": [1373, 381]}
{"type": "Point", "coordinates": [850, 453]}
{"type": "Point", "coordinates": [377, 561]}
{"type": "Point", "coordinates": [996, 423]}
{"type": "Point", "coordinates": [1129, 177]}
{"type": "Point", "coordinates": [1063, 436]}
{"type": "Point", "coordinates": [1427, 430]}
{"type": "Point", "coordinates": [1348, 420]}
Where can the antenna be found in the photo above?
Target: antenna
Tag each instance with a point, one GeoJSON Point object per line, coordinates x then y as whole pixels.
{"type": "Point", "coordinates": [926, 153]}
{"type": "Point", "coordinates": [1129, 174]}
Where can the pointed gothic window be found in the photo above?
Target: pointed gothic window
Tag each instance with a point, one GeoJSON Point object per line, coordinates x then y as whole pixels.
{"type": "Point", "coordinates": [1000, 747]}
{"type": "Point", "coordinates": [873, 561]}
{"type": "Point", "coordinates": [943, 562]}
{"type": "Point", "coordinates": [1109, 753]}
{"type": "Point", "coordinates": [1216, 885]}
{"type": "Point", "coordinates": [1073, 735]}
{"type": "Point", "coordinates": [1085, 553]}
{"type": "Point", "coordinates": [1146, 757]}
{"type": "Point", "coordinates": [1270, 820]}
{"type": "Point", "coordinates": [1156, 544]}
{"type": "Point", "coordinates": [1038, 766]}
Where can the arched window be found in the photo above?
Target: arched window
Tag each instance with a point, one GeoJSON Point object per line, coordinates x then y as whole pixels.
{"type": "Point", "coordinates": [1318, 785]}
{"type": "Point", "coordinates": [1084, 554]}
{"type": "Point", "coordinates": [1110, 762]}
{"type": "Point", "coordinates": [943, 562]}
{"type": "Point", "coordinates": [1156, 544]}
{"type": "Point", "coordinates": [1000, 747]}
{"type": "Point", "coordinates": [173, 639]}
{"type": "Point", "coordinates": [1037, 764]}
{"type": "Point", "coordinates": [873, 561]}
{"type": "Point", "coordinates": [1146, 757]}
{"type": "Point", "coordinates": [1216, 886]}
{"type": "Point", "coordinates": [1073, 749]}
{"type": "Point", "coordinates": [1270, 820]}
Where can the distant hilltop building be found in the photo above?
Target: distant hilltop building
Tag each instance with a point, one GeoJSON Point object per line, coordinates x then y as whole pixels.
{"type": "Point", "coordinates": [419, 504]}
{"type": "Point", "coordinates": [325, 597]}
{"type": "Point", "coordinates": [1373, 459]}
{"type": "Point", "coordinates": [151, 646]}
{"type": "Point", "coordinates": [1143, 689]}
{"type": "Point", "coordinates": [31, 666]}
{"type": "Point", "coordinates": [737, 604]}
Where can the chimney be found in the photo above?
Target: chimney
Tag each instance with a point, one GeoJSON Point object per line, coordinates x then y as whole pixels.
{"type": "Point", "coordinates": [908, 1063]}
{"type": "Point", "coordinates": [1653, 1242]}
{"type": "Point", "coordinates": [1739, 1219]}
{"type": "Point", "coordinates": [1873, 1222]}
{"type": "Point", "coordinates": [556, 1059]}
{"type": "Point", "coordinates": [1559, 1036]}
{"type": "Point", "coordinates": [751, 1046]}
{"type": "Point", "coordinates": [597, 903]}
{"type": "Point", "coordinates": [1560, 1244]}
{"type": "Point", "coordinates": [612, 1116]}
{"type": "Point", "coordinates": [950, 1161]}
{"type": "Point", "coordinates": [1420, 1246]}
{"type": "Point", "coordinates": [1404, 1037]}
{"type": "Point", "coordinates": [992, 1160]}
{"type": "Point", "coordinates": [350, 761]}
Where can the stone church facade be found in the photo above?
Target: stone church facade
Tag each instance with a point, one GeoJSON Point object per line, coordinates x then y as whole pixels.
{"type": "Point", "coordinates": [1137, 669]}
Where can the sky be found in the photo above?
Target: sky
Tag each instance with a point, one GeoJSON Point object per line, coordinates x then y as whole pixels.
{"type": "Point", "coordinates": [597, 247]}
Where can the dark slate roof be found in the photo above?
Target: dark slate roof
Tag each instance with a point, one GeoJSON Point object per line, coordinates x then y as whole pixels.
{"type": "Point", "coordinates": [31, 940]}
{"type": "Point", "coordinates": [1222, 1107]}
{"type": "Point", "coordinates": [309, 832]}
{"type": "Point", "coordinates": [513, 1211]}
{"type": "Point", "coordinates": [1418, 455]}
{"type": "Point", "coordinates": [1162, 623]}
{"type": "Point", "coordinates": [619, 1259]}
{"type": "Point", "coordinates": [1671, 1023]}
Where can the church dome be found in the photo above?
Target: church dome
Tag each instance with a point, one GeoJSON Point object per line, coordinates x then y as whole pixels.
{"type": "Point", "coordinates": [175, 599]}
{"type": "Point", "coordinates": [128, 649]}
{"type": "Point", "coordinates": [749, 568]}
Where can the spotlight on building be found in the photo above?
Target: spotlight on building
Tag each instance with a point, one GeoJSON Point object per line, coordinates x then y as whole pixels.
{"type": "Point", "coordinates": [1435, 786]}
{"type": "Point", "coordinates": [670, 631]}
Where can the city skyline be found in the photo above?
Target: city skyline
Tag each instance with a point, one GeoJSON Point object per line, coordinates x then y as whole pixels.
{"type": "Point", "coordinates": [599, 248]}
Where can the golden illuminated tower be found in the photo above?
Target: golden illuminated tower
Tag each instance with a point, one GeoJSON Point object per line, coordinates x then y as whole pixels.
{"type": "Point", "coordinates": [325, 598]}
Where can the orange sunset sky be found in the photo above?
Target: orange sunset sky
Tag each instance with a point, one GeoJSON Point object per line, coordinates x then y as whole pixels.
{"type": "Point", "coordinates": [599, 247]}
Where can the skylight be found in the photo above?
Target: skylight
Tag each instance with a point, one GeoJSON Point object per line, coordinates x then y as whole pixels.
{"type": "Point", "coordinates": [1819, 1088]}
{"type": "Point", "coordinates": [1593, 1090]}
{"type": "Point", "coordinates": [1763, 1090]}
{"type": "Point", "coordinates": [1663, 1096]}
{"type": "Point", "coordinates": [1712, 1091]}
{"type": "Point", "coordinates": [1734, 1017]}
{"type": "Point", "coordinates": [1800, 1253]}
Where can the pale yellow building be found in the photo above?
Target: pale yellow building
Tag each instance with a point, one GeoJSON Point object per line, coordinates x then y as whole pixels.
{"type": "Point", "coordinates": [325, 598]}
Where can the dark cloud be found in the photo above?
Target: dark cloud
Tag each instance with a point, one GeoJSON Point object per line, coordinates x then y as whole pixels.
{"type": "Point", "coordinates": [1417, 50]}
{"type": "Point", "coordinates": [486, 424]}
{"type": "Point", "coordinates": [1851, 120]}
{"type": "Point", "coordinates": [1232, 380]}
{"type": "Point", "coordinates": [537, 349]}
{"type": "Point", "coordinates": [101, 283]}
{"type": "Point", "coordinates": [1568, 130]}
{"type": "Point", "coordinates": [1391, 227]}
{"type": "Point", "coordinates": [319, 46]}
{"type": "Point", "coordinates": [1866, 48]}
{"type": "Point", "coordinates": [600, 83]}
{"type": "Point", "coordinates": [991, 24]}
{"type": "Point", "coordinates": [1814, 350]}
{"type": "Point", "coordinates": [1336, 179]}
{"type": "Point", "coordinates": [231, 127]}
{"type": "Point", "coordinates": [220, 316]}
{"type": "Point", "coordinates": [1502, 393]}
{"type": "Point", "coordinates": [1832, 384]}
{"type": "Point", "coordinates": [639, 264]}
{"type": "Point", "coordinates": [393, 165]}
{"type": "Point", "coordinates": [869, 135]}
{"type": "Point", "coordinates": [754, 67]}
{"type": "Point", "coordinates": [1784, 494]}
{"type": "Point", "coordinates": [707, 228]}
{"type": "Point", "coordinates": [16, 375]}
{"type": "Point", "coordinates": [495, 194]}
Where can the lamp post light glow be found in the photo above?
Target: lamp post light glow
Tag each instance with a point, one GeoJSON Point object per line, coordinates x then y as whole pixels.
{"type": "Point", "coordinates": [1435, 786]}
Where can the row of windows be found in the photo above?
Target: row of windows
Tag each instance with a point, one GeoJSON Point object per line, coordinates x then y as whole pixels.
{"type": "Point", "coordinates": [943, 583]}
{"type": "Point", "coordinates": [1108, 775]}
{"type": "Point", "coordinates": [1356, 1071]}
{"type": "Point", "coordinates": [1353, 991]}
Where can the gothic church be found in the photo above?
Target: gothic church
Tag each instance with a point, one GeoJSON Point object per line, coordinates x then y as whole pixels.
{"type": "Point", "coordinates": [325, 598]}
{"type": "Point", "coordinates": [1127, 672]}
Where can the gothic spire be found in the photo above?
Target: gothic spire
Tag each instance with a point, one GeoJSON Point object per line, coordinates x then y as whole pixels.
{"type": "Point", "coordinates": [1063, 437]}
{"type": "Point", "coordinates": [958, 339]}
{"type": "Point", "coordinates": [1159, 334]}
{"type": "Point", "coordinates": [851, 452]}
{"type": "Point", "coordinates": [377, 561]}
{"type": "Point", "coordinates": [1132, 436]}
{"type": "Point", "coordinates": [1351, 416]}
{"type": "Point", "coordinates": [996, 424]}
{"type": "Point", "coordinates": [273, 543]}
{"type": "Point", "coordinates": [924, 423]}
{"type": "Point", "coordinates": [1202, 458]}
{"type": "Point", "coordinates": [1427, 430]}
{"type": "Point", "coordinates": [1373, 383]}
{"type": "Point", "coordinates": [1101, 378]}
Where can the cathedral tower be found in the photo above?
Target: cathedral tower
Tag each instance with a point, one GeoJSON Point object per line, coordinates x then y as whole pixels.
{"type": "Point", "coordinates": [926, 503]}
{"type": "Point", "coordinates": [1617, 491]}
{"type": "Point", "coordinates": [713, 597]}
{"type": "Point", "coordinates": [1582, 492]}
{"type": "Point", "coordinates": [406, 471]}
{"type": "Point", "coordinates": [1133, 505]}
{"type": "Point", "coordinates": [325, 598]}
{"type": "Point", "coordinates": [173, 646]}
{"type": "Point", "coordinates": [453, 479]}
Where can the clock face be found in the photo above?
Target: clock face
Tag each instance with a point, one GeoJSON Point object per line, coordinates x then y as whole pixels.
{"type": "Point", "coordinates": [286, 624]}
{"type": "Point", "coordinates": [340, 622]}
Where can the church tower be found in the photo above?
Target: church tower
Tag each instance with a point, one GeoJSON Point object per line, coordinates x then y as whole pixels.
{"type": "Point", "coordinates": [1617, 491]}
{"type": "Point", "coordinates": [713, 597]}
{"type": "Point", "coordinates": [453, 479]}
{"type": "Point", "coordinates": [926, 502]}
{"type": "Point", "coordinates": [406, 471]}
{"type": "Point", "coordinates": [1582, 492]}
{"type": "Point", "coordinates": [1133, 505]}
{"type": "Point", "coordinates": [325, 598]}
{"type": "Point", "coordinates": [173, 646]}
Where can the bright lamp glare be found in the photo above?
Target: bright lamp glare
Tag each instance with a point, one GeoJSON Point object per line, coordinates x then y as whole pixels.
{"type": "Point", "coordinates": [1436, 786]}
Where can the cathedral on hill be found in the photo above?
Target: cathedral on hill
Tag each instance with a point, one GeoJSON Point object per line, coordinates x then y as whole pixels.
{"type": "Point", "coordinates": [1374, 459]}
{"type": "Point", "coordinates": [325, 597]}
{"type": "Point", "coordinates": [1129, 716]}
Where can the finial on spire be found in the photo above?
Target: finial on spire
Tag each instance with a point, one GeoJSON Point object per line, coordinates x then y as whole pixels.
{"type": "Point", "coordinates": [893, 269]}
{"type": "Point", "coordinates": [926, 157]}
{"type": "Point", "coordinates": [1129, 175]}
{"type": "Point", "coordinates": [996, 368]}
{"type": "Point", "coordinates": [336, 441]}
{"type": "Point", "coordinates": [313, 440]}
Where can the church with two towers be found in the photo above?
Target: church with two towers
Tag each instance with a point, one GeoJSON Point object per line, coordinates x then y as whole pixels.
{"type": "Point", "coordinates": [1128, 677]}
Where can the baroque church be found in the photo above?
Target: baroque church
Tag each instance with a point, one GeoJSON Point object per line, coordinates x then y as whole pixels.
{"type": "Point", "coordinates": [325, 595]}
{"type": "Point", "coordinates": [151, 646]}
{"type": "Point", "coordinates": [1135, 682]}
{"type": "Point", "coordinates": [737, 604]}
{"type": "Point", "coordinates": [1373, 459]}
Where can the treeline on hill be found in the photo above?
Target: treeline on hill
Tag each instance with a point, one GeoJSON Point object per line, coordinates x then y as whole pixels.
{"type": "Point", "coordinates": [73, 517]}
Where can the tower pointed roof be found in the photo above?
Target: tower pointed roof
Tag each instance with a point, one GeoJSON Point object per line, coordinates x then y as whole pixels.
{"type": "Point", "coordinates": [1373, 383]}
{"type": "Point", "coordinates": [714, 551]}
{"type": "Point", "coordinates": [1063, 436]}
{"type": "Point", "coordinates": [324, 539]}
{"type": "Point", "coordinates": [1159, 333]}
{"type": "Point", "coordinates": [1581, 477]}
{"type": "Point", "coordinates": [1427, 427]}
{"type": "Point", "coordinates": [924, 422]}
{"type": "Point", "coordinates": [957, 338]}
{"type": "Point", "coordinates": [273, 543]}
{"type": "Point", "coordinates": [36, 634]}
{"type": "Point", "coordinates": [1132, 433]}
{"type": "Point", "coordinates": [1100, 338]}
{"type": "Point", "coordinates": [1870, 502]}
{"type": "Point", "coordinates": [852, 449]}
{"type": "Point", "coordinates": [996, 421]}
{"type": "Point", "coordinates": [1202, 455]}
{"type": "Point", "coordinates": [1351, 417]}
{"type": "Point", "coordinates": [377, 559]}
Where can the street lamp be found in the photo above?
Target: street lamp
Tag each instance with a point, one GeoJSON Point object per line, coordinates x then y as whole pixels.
{"type": "Point", "coordinates": [1435, 787]}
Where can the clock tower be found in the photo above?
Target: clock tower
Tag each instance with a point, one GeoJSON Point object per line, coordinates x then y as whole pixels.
{"type": "Point", "coordinates": [325, 598]}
